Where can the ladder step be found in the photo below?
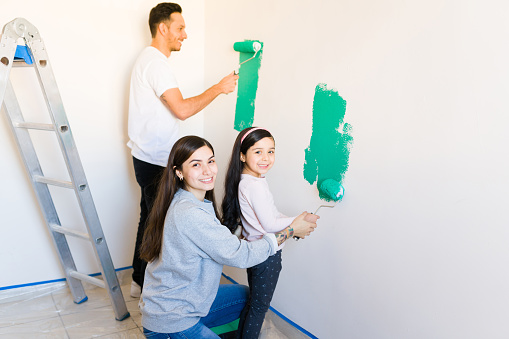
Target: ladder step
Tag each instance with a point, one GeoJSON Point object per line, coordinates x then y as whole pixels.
{"type": "Point", "coordinates": [68, 231]}
{"type": "Point", "coordinates": [34, 125]}
{"type": "Point", "coordinates": [54, 182]}
{"type": "Point", "coordinates": [87, 278]}
{"type": "Point", "coordinates": [21, 63]}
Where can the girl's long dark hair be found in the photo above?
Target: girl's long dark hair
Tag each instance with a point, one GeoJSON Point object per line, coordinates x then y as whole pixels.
{"type": "Point", "coordinates": [230, 206]}
{"type": "Point", "coordinates": [169, 184]}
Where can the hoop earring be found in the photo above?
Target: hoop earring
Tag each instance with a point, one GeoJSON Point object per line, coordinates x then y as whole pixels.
{"type": "Point", "coordinates": [180, 176]}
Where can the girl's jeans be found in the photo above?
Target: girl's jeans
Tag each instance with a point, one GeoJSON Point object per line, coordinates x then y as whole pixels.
{"type": "Point", "coordinates": [262, 280]}
{"type": "Point", "coordinates": [230, 300]}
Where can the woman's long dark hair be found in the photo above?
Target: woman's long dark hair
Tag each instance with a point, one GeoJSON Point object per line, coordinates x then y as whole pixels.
{"type": "Point", "coordinates": [169, 184]}
{"type": "Point", "coordinates": [230, 205]}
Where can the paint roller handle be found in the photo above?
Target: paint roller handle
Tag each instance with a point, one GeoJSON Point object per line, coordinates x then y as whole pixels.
{"type": "Point", "coordinates": [228, 83]}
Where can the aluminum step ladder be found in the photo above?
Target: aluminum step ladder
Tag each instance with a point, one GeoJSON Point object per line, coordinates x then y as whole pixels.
{"type": "Point", "coordinates": [34, 54]}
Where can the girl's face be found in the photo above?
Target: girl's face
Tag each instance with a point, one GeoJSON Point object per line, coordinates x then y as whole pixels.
{"type": "Point", "coordinates": [259, 158]}
{"type": "Point", "coordinates": [199, 172]}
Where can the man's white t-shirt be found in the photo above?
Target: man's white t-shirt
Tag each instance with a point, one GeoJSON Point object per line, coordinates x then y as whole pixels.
{"type": "Point", "coordinates": [152, 127]}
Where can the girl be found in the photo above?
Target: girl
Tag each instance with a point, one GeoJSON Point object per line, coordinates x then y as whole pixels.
{"type": "Point", "coordinates": [186, 247]}
{"type": "Point", "coordinates": [248, 201]}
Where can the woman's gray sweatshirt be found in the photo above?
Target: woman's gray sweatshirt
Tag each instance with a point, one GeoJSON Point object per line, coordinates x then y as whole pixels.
{"type": "Point", "coordinates": [181, 284]}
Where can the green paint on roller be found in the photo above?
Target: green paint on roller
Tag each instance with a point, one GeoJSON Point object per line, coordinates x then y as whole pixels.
{"type": "Point", "coordinates": [247, 46]}
{"type": "Point", "coordinates": [247, 83]}
{"type": "Point", "coordinates": [333, 189]}
{"type": "Point", "coordinates": [328, 154]}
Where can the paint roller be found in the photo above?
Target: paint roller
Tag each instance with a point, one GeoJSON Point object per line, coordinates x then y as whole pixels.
{"type": "Point", "coordinates": [334, 190]}
{"type": "Point", "coordinates": [248, 46]}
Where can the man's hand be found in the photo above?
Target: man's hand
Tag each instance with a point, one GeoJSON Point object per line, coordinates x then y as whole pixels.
{"type": "Point", "coordinates": [228, 83]}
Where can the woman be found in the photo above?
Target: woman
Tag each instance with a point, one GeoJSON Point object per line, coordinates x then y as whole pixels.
{"type": "Point", "coordinates": [186, 247]}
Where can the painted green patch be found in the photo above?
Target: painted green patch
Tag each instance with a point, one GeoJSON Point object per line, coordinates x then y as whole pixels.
{"type": "Point", "coordinates": [328, 154]}
{"type": "Point", "coordinates": [232, 326]}
{"type": "Point", "coordinates": [246, 89]}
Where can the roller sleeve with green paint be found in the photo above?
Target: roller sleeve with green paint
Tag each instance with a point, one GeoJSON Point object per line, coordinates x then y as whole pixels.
{"type": "Point", "coordinates": [333, 189]}
{"type": "Point", "coordinates": [250, 56]}
{"type": "Point", "coordinates": [248, 46]}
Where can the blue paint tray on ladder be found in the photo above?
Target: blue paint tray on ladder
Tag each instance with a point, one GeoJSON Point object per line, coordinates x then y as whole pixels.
{"type": "Point", "coordinates": [23, 53]}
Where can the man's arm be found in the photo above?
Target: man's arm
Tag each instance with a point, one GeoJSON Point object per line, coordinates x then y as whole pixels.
{"type": "Point", "coordinates": [185, 108]}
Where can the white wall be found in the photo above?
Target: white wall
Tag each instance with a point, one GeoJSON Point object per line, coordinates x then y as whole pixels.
{"type": "Point", "coordinates": [92, 46]}
{"type": "Point", "coordinates": [418, 247]}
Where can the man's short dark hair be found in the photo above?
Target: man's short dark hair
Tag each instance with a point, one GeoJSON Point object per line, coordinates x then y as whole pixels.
{"type": "Point", "coordinates": [161, 13]}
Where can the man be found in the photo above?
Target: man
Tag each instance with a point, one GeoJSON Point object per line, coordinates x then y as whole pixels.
{"type": "Point", "coordinates": [155, 106]}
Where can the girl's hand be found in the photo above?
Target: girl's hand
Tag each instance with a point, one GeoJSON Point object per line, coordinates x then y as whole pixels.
{"type": "Point", "coordinates": [304, 224]}
{"type": "Point", "coordinates": [301, 227]}
{"type": "Point", "coordinates": [310, 217]}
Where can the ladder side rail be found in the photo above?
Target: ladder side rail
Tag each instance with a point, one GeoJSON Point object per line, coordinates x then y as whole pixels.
{"type": "Point", "coordinates": [76, 172]}
{"type": "Point", "coordinates": [30, 159]}
{"type": "Point", "coordinates": [8, 46]}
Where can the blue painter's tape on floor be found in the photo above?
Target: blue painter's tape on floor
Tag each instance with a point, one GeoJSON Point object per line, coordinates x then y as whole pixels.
{"type": "Point", "coordinates": [56, 280]}
{"type": "Point", "coordinates": [82, 301]}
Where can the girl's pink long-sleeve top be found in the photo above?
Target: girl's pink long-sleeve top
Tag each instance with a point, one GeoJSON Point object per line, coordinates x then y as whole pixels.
{"type": "Point", "coordinates": [259, 214]}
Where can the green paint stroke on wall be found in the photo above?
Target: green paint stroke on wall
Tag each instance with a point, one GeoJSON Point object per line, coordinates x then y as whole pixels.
{"type": "Point", "coordinates": [246, 89]}
{"type": "Point", "coordinates": [328, 153]}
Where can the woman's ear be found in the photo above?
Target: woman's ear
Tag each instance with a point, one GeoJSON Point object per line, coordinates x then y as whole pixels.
{"type": "Point", "coordinates": [179, 175]}
{"type": "Point", "coordinates": [242, 157]}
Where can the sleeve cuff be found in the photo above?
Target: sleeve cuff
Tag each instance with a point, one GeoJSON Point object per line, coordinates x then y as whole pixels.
{"type": "Point", "coordinates": [272, 239]}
